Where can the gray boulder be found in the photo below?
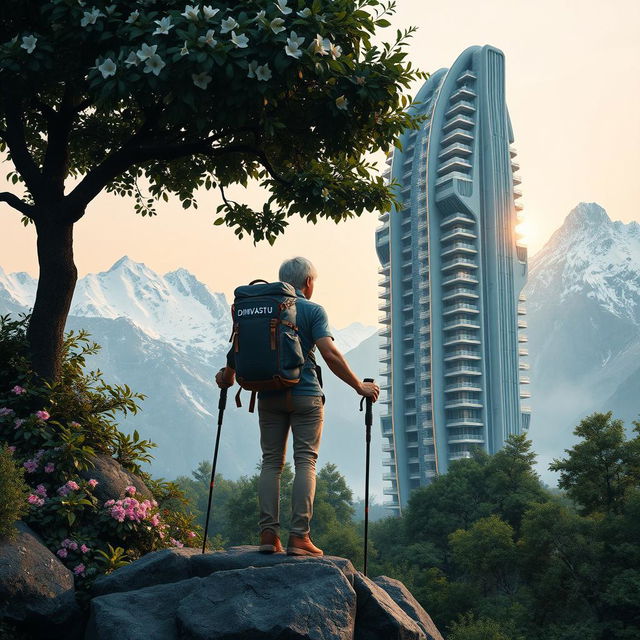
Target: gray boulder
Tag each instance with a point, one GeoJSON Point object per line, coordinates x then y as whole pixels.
{"type": "Point", "coordinates": [378, 617]}
{"type": "Point", "coordinates": [113, 478]}
{"type": "Point", "coordinates": [403, 598]}
{"type": "Point", "coordinates": [171, 565]}
{"type": "Point", "coordinates": [143, 614]}
{"type": "Point", "coordinates": [249, 556]}
{"type": "Point", "coordinates": [36, 589]}
{"type": "Point", "coordinates": [300, 601]}
{"type": "Point", "coordinates": [158, 567]}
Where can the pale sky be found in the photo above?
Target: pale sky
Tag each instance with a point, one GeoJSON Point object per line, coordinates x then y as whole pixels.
{"type": "Point", "coordinates": [573, 89]}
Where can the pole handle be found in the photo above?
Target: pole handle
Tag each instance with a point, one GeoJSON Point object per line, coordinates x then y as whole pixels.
{"type": "Point", "coordinates": [368, 416]}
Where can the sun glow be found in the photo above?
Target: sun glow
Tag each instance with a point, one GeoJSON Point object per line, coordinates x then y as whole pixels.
{"type": "Point", "coordinates": [523, 233]}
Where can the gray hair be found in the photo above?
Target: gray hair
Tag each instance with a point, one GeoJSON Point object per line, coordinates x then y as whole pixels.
{"type": "Point", "coordinates": [296, 271]}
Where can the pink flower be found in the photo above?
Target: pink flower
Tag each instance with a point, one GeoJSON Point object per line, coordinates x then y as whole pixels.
{"type": "Point", "coordinates": [131, 490]}
{"type": "Point", "coordinates": [118, 513]}
{"type": "Point", "coordinates": [35, 500]}
{"type": "Point", "coordinates": [18, 422]}
{"type": "Point", "coordinates": [93, 482]}
{"type": "Point", "coordinates": [191, 534]}
{"type": "Point", "coordinates": [41, 491]}
{"type": "Point", "coordinates": [176, 543]}
{"type": "Point", "coordinates": [62, 553]}
{"type": "Point", "coordinates": [74, 424]}
{"type": "Point", "coordinates": [18, 390]}
{"type": "Point", "coordinates": [5, 411]}
{"type": "Point", "coordinates": [42, 415]}
{"type": "Point", "coordinates": [63, 490]}
{"type": "Point", "coordinates": [84, 548]}
{"type": "Point", "coordinates": [30, 466]}
{"type": "Point", "coordinates": [49, 467]}
{"type": "Point", "coordinates": [73, 486]}
{"type": "Point", "coordinates": [155, 520]}
{"type": "Point", "coordinates": [108, 503]}
{"type": "Point", "coordinates": [65, 543]}
{"type": "Point", "coordinates": [79, 569]}
{"type": "Point", "coordinates": [73, 546]}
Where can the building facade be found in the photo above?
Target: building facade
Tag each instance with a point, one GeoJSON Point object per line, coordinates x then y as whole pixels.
{"type": "Point", "coordinates": [453, 267]}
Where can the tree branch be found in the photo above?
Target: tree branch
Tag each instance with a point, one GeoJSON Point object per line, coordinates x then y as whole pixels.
{"type": "Point", "coordinates": [15, 138]}
{"type": "Point", "coordinates": [18, 204]}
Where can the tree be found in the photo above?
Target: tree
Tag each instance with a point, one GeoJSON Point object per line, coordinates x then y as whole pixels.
{"type": "Point", "coordinates": [599, 470]}
{"type": "Point", "coordinates": [486, 553]}
{"type": "Point", "coordinates": [109, 95]}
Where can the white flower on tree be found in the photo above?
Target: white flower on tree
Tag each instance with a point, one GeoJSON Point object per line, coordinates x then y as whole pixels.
{"type": "Point", "coordinates": [201, 80]}
{"type": "Point", "coordinates": [342, 103]}
{"type": "Point", "coordinates": [335, 50]}
{"type": "Point", "coordinates": [146, 51]}
{"type": "Point", "coordinates": [228, 25]}
{"type": "Point", "coordinates": [260, 16]}
{"type": "Point", "coordinates": [293, 45]}
{"type": "Point", "coordinates": [191, 12]}
{"type": "Point", "coordinates": [282, 5]}
{"type": "Point", "coordinates": [305, 13]}
{"type": "Point", "coordinates": [253, 65]}
{"type": "Point", "coordinates": [164, 26]}
{"type": "Point", "coordinates": [241, 41]}
{"type": "Point", "coordinates": [208, 38]}
{"type": "Point", "coordinates": [107, 68]}
{"type": "Point", "coordinates": [277, 25]}
{"type": "Point", "coordinates": [209, 12]}
{"type": "Point", "coordinates": [154, 64]}
{"type": "Point", "coordinates": [133, 17]}
{"type": "Point", "coordinates": [263, 72]}
{"type": "Point", "coordinates": [90, 17]}
{"type": "Point", "coordinates": [185, 49]}
{"type": "Point", "coordinates": [132, 60]}
{"type": "Point", "coordinates": [318, 45]}
{"type": "Point", "coordinates": [29, 43]}
{"type": "Point", "coordinates": [111, 9]}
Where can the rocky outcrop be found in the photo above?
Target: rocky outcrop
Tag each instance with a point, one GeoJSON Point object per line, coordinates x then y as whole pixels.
{"type": "Point", "coordinates": [403, 598]}
{"type": "Point", "coordinates": [240, 594]}
{"type": "Point", "coordinates": [36, 589]}
{"type": "Point", "coordinates": [113, 478]}
{"type": "Point", "coordinates": [379, 618]}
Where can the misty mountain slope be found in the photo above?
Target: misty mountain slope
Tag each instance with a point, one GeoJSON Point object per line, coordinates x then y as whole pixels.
{"type": "Point", "coordinates": [583, 303]}
{"type": "Point", "coordinates": [166, 336]}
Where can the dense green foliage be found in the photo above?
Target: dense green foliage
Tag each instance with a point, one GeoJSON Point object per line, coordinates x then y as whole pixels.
{"type": "Point", "coordinates": [492, 555]}
{"type": "Point", "coordinates": [13, 491]}
{"type": "Point", "coordinates": [202, 97]}
{"type": "Point", "coordinates": [54, 432]}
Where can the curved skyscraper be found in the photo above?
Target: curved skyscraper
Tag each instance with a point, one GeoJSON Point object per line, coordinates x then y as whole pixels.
{"type": "Point", "coordinates": [453, 348]}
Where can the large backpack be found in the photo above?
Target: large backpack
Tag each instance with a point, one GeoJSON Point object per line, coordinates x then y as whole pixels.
{"type": "Point", "coordinates": [266, 346]}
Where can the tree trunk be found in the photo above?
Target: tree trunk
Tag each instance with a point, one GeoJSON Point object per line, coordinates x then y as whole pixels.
{"type": "Point", "coordinates": [56, 284]}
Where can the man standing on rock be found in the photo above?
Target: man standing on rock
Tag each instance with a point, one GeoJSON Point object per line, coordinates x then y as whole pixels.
{"type": "Point", "coordinates": [299, 408]}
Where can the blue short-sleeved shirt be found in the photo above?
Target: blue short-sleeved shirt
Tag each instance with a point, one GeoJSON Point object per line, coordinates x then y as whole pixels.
{"type": "Point", "coordinates": [313, 324]}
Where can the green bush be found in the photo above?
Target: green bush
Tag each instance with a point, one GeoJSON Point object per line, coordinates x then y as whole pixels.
{"type": "Point", "coordinates": [13, 492]}
{"type": "Point", "coordinates": [55, 432]}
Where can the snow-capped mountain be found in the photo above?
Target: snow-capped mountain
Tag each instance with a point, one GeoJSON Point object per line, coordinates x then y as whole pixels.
{"type": "Point", "coordinates": [175, 308]}
{"type": "Point", "coordinates": [583, 302]}
{"type": "Point", "coordinates": [166, 336]}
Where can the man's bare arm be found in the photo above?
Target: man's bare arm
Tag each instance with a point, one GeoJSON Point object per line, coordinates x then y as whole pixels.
{"type": "Point", "coordinates": [339, 366]}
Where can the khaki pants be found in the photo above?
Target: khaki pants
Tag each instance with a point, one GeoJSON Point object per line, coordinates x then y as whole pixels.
{"type": "Point", "coordinates": [304, 415]}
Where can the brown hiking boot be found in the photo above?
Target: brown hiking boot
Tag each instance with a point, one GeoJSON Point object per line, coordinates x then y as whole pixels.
{"type": "Point", "coordinates": [302, 546]}
{"type": "Point", "coordinates": [270, 542]}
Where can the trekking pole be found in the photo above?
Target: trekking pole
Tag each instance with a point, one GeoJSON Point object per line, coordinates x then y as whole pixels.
{"type": "Point", "coordinates": [222, 403]}
{"type": "Point", "coordinates": [368, 421]}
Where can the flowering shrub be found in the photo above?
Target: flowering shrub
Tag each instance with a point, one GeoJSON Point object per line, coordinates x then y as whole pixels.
{"type": "Point", "coordinates": [13, 492]}
{"type": "Point", "coordinates": [51, 433]}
